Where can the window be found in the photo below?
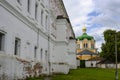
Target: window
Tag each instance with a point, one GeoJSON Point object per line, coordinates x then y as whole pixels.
{"type": "Point", "coordinates": [28, 8]}
{"type": "Point", "coordinates": [41, 54]}
{"type": "Point", "coordinates": [46, 22]}
{"type": "Point", "coordinates": [19, 1]}
{"type": "Point", "coordinates": [42, 17]}
{"type": "Point", "coordinates": [35, 51]}
{"type": "Point", "coordinates": [2, 41]}
{"type": "Point", "coordinates": [17, 46]}
{"type": "Point", "coordinates": [46, 56]}
{"type": "Point", "coordinates": [78, 46]}
{"type": "Point", "coordinates": [85, 45]}
{"type": "Point", "coordinates": [36, 11]}
{"type": "Point", "coordinates": [92, 46]}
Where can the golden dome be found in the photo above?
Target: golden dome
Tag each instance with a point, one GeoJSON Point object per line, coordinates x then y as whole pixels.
{"type": "Point", "coordinates": [84, 29]}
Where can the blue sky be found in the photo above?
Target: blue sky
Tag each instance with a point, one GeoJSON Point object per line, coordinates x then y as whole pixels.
{"type": "Point", "coordinates": [97, 15]}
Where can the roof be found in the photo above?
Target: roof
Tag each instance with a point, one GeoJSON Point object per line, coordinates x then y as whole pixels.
{"type": "Point", "coordinates": [105, 61]}
{"type": "Point", "coordinates": [87, 52]}
{"type": "Point", "coordinates": [85, 36]}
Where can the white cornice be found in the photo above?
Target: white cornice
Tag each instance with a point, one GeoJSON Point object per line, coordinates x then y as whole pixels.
{"type": "Point", "coordinates": [17, 14]}
{"type": "Point", "coordinates": [24, 19]}
{"type": "Point", "coordinates": [61, 42]}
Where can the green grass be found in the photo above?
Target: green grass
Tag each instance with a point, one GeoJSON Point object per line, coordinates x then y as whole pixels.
{"type": "Point", "coordinates": [88, 74]}
{"type": "Point", "coordinates": [85, 74]}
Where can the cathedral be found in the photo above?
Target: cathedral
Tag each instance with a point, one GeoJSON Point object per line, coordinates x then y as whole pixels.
{"type": "Point", "coordinates": [86, 49]}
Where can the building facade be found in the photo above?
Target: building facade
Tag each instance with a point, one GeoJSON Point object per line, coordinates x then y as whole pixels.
{"type": "Point", "coordinates": [36, 37]}
{"type": "Point", "coordinates": [86, 46]}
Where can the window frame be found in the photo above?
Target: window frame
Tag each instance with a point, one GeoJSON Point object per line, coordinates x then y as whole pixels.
{"type": "Point", "coordinates": [42, 17]}
{"type": "Point", "coordinates": [2, 41]}
{"type": "Point", "coordinates": [28, 6]}
{"type": "Point", "coordinates": [41, 54]}
{"type": "Point", "coordinates": [17, 46]}
{"type": "Point", "coordinates": [35, 52]}
{"type": "Point", "coordinates": [36, 11]}
{"type": "Point", "coordinates": [46, 22]}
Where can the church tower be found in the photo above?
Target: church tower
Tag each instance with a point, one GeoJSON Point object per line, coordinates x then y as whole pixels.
{"type": "Point", "coordinates": [86, 46]}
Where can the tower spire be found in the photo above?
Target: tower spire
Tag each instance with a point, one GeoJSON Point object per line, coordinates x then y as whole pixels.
{"type": "Point", "coordinates": [84, 29]}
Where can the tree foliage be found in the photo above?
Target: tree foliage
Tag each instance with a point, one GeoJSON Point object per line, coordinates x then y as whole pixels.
{"type": "Point", "coordinates": [108, 48]}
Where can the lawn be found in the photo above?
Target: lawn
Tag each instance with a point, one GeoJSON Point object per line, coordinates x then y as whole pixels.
{"type": "Point", "coordinates": [86, 74]}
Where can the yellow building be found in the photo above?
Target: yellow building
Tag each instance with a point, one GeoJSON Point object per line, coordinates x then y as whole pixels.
{"type": "Point", "coordinates": [86, 46]}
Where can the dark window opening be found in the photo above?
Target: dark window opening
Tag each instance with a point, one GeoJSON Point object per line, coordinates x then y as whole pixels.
{"type": "Point", "coordinates": [1, 41]}
{"type": "Point", "coordinates": [42, 17]}
{"type": "Point", "coordinates": [35, 51]}
{"type": "Point", "coordinates": [41, 52]}
{"type": "Point", "coordinates": [46, 22]}
{"type": "Point", "coordinates": [17, 46]}
{"type": "Point", "coordinates": [92, 46]}
{"type": "Point", "coordinates": [86, 45]}
{"type": "Point", "coordinates": [28, 9]}
{"type": "Point", "coordinates": [36, 11]}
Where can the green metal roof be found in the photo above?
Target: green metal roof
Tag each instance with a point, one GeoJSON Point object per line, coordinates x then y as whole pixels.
{"type": "Point", "coordinates": [85, 36]}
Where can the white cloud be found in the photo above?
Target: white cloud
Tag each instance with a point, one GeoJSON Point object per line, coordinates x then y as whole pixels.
{"type": "Point", "coordinates": [78, 10]}
{"type": "Point", "coordinates": [110, 12]}
{"type": "Point", "coordinates": [97, 33]}
{"type": "Point", "coordinates": [109, 17]}
{"type": "Point", "coordinates": [77, 30]}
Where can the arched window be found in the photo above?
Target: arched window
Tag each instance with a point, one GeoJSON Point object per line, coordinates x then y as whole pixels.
{"type": "Point", "coordinates": [86, 45]}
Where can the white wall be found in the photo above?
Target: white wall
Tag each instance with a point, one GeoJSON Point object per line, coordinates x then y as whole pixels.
{"type": "Point", "coordinates": [109, 65]}
{"type": "Point", "coordinates": [78, 63]}
{"type": "Point", "coordinates": [59, 59]}
{"type": "Point", "coordinates": [16, 26]}
{"type": "Point", "coordinates": [72, 54]}
{"type": "Point", "coordinates": [88, 63]}
{"type": "Point", "coordinates": [15, 21]}
{"type": "Point", "coordinates": [17, 68]}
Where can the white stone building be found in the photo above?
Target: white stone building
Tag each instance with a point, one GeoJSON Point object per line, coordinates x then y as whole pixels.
{"type": "Point", "coordinates": [36, 38]}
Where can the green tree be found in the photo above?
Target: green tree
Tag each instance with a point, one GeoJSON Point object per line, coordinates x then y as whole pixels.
{"type": "Point", "coordinates": [108, 48]}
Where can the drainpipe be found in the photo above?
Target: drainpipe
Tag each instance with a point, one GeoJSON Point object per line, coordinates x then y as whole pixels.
{"type": "Point", "coordinates": [49, 53]}
{"type": "Point", "coordinates": [38, 39]}
{"type": "Point", "coordinates": [37, 45]}
{"type": "Point", "coordinates": [49, 64]}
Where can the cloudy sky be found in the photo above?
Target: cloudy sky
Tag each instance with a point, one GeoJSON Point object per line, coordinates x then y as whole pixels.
{"type": "Point", "coordinates": [97, 15]}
